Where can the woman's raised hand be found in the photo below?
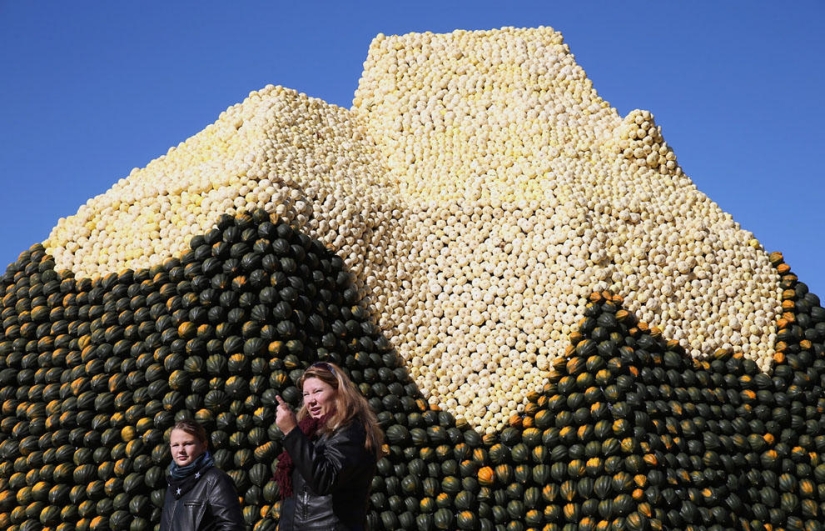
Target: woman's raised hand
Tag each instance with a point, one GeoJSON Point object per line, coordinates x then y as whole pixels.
{"type": "Point", "coordinates": [285, 419]}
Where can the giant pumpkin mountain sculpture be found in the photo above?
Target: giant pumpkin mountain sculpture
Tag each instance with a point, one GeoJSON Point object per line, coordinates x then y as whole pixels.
{"type": "Point", "coordinates": [555, 327]}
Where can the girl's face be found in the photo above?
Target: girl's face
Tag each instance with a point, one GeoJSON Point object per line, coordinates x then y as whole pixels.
{"type": "Point", "coordinates": [319, 397]}
{"type": "Point", "coordinates": [185, 447]}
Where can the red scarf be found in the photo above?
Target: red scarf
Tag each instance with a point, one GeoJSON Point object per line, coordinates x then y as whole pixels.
{"type": "Point", "coordinates": [283, 469]}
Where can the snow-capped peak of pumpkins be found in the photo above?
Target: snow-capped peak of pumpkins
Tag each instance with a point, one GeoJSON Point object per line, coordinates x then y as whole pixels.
{"type": "Point", "coordinates": [479, 190]}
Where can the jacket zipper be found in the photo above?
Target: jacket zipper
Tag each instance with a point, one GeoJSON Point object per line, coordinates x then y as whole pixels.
{"type": "Point", "coordinates": [304, 504]}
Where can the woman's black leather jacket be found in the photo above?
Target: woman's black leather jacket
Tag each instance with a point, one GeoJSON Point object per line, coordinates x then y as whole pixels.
{"type": "Point", "coordinates": [212, 504]}
{"type": "Point", "coordinates": [331, 481]}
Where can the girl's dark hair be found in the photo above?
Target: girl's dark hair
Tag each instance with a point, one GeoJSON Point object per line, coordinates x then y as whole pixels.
{"type": "Point", "coordinates": [192, 428]}
{"type": "Point", "coordinates": [349, 404]}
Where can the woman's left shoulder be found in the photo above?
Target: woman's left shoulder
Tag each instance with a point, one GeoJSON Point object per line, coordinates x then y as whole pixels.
{"type": "Point", "coordinates": [351, 431]}
{"type": "Point", "coordinates": [356, 427]}
{"type": "Point", "coordinates": [214, 474]}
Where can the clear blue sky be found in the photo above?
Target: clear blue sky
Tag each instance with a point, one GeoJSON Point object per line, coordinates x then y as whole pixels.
{"type": "Point", "coordinates": [90, 90]}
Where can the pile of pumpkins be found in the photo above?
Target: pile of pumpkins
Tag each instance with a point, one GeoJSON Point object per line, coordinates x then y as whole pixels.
{"type": "Point", "coordinates": [629, 432]}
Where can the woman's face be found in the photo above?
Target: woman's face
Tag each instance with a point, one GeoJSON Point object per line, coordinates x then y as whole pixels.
{"type": "Point", "coordinates": [185, 447]}
{"type": "Point", "coordinates": [319, 397]}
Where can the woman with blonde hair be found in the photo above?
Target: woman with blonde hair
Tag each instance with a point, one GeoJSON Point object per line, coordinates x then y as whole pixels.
{"type": "Point", "coordinates": [331, 448]}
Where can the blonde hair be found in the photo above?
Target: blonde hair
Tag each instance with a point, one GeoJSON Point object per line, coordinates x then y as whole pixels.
{"type": "Point", "coordinates": [192, 428]}
{"type": "Point", "coordinates": [349, 404]}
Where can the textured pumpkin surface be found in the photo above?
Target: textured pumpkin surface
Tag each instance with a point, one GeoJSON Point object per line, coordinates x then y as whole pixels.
{"type": "Point", "coordinates": [553, 325]}
{"type": "Point", "coordinates": [478, 190]}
